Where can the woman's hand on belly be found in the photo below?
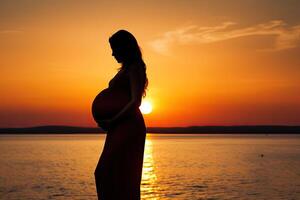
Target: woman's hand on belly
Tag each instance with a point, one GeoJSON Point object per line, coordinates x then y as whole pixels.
{"type": "Point", "coordinates": [105, 124]}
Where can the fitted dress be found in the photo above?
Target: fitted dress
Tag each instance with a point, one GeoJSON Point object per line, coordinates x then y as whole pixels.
{"type": "Point", "coordinates": [123, 151]}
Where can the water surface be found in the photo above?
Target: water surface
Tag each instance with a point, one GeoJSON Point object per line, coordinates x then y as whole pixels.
{"type": "Point", "coordinates": [176, 166]}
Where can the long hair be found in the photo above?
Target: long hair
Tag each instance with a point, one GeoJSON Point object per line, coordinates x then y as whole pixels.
{"type": "Point", "coordinates": [131, 51]}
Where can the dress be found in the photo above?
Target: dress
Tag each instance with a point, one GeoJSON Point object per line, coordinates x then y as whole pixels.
{"type": "Point", "coordinates": [123, 153]}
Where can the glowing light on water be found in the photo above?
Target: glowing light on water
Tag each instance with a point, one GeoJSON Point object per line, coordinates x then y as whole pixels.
{"type": "Point", "coordinates": [149, 187]}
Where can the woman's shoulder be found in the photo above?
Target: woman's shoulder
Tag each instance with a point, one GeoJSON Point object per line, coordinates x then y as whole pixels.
{"type": "Point", "coordinates": [135, 65]}
{"type": "Point", "coordinates": [135, 68]}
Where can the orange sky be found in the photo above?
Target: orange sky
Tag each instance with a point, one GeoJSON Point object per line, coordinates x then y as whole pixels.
{"type": "Point", "coordinates": [208, 63]}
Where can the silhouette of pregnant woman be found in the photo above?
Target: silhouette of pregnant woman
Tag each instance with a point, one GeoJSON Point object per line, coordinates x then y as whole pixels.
{"type": "Point", "coordinates": [116, 110]}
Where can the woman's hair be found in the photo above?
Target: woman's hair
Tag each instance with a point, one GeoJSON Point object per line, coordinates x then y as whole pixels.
{"type": "Point", "coordinates": [131, 52]}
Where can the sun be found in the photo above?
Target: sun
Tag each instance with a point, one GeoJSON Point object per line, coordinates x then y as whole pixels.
{"type": "Point", "coordinates": [146, 107]}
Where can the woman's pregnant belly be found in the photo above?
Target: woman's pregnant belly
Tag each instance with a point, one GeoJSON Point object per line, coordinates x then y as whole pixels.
{"type": "Point", "coordinates": [108, 103]}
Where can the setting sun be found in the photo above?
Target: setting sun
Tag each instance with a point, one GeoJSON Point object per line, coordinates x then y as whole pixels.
{"type": "Point", "coordinates": [146, 107]}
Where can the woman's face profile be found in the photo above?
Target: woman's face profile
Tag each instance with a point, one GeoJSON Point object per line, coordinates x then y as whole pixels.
{"type": "Point", "coordinates": [117, 53]}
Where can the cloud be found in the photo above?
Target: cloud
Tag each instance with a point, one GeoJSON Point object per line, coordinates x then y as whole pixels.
{"type": "Point", "coordinates": [285, 37]}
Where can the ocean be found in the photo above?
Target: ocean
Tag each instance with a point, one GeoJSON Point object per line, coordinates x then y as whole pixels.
{"type": "Point", "coordinates": [176, 166]}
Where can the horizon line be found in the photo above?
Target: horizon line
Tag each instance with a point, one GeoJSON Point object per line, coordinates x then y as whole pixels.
{"type": "Point", "coordinates": [188, 126]}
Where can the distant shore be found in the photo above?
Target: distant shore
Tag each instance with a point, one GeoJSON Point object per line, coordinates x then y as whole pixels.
{"type": "Point", "coordinates": [259, 129]}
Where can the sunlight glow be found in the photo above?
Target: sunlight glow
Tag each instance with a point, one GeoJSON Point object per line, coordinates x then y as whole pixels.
{"type": "Point", "coordinates": [146, 107]}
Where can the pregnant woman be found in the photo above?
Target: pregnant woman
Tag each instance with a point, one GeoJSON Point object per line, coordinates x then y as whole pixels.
{"type": "Point", "coordinates": [116, 110]}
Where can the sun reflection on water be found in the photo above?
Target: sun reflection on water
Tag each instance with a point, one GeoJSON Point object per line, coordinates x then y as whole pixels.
{"type": "Point", "coordinates": [149, 187]}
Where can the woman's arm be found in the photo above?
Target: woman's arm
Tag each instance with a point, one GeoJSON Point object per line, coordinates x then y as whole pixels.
{"type": "Point", "coordinates": [135, 85]}
{"type": "Point", "coordinates": [117, 139]}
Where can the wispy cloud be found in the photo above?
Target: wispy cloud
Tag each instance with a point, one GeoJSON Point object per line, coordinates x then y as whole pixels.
{"type": "Point", "coordinates": [285, 37]}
